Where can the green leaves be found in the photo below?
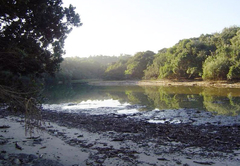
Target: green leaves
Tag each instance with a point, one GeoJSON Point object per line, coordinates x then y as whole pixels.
{"type": "Point", "coordinates": [212, 57]}
{"type": "Point", "coordinates": [224, 62]}
{"type": "Point", "coordinates": [138, 63]}
{"type": "Point", "coordinates": [36, 27]}
{"type": "Point", "coordinates": [116, 71]}
{"type": "Point", "coordinates": [32, 37]}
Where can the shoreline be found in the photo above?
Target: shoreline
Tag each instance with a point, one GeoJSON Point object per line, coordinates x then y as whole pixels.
{"type": "Point", "coordinates": [217, 84]}
{"type": "Point", "coordinates": [119, 140]}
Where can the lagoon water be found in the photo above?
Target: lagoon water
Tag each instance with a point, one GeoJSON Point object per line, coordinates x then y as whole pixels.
{"type": "Point", "coordinates": [155, 104]}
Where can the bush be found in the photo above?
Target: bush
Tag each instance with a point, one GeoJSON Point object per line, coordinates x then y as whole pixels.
{"type": "Point", "coordinates": [216, 68]}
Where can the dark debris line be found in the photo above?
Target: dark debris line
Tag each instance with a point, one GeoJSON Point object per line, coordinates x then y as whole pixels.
{"type": "Point", "coordinates": [208, 137]}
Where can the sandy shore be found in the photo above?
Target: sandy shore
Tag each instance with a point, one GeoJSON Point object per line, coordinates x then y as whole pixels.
{"type": "Point", "coordinates": [224, 84]}
{"type": "Point", "coordinates": [83, 139]}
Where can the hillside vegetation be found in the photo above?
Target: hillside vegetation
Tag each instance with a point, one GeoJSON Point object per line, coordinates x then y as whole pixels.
{"type": "Point", "coordinates": [209, 56]}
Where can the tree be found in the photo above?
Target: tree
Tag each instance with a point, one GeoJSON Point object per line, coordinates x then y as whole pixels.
{"type": "Point", "coordinates": [33, 33]}
{"type": "Point", "coordinates": [216, 67]}
{"type": "Point", "coordinates": [152, 71]}
{"type": "Point", "coordinates": [225, 61]}
{"type": "Point", "coordinates": [32, 38]}
{"type": "Point", "coordinates": [116, 70]}
{"type": "Point", "coordinates": [184, 60]}
{"type": "Point", "coordinates": [234, 72]}
{"type": "Point", "coordinates": [138, 63]}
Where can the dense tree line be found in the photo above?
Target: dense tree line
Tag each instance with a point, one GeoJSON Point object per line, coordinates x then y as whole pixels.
{"type": "Point", "coordinates": [209, 57]}
{"type": "Point", "coordinates": [94, 67]}
{"type": "Point", "coordinates": [103, 67]}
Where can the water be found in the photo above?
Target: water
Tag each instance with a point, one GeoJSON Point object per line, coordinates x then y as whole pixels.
{"type": "Point", "coordinates": [156, 104]}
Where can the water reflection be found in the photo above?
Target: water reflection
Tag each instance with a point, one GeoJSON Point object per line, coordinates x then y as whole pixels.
{"type": "Point", "coordinates": [223, 101]}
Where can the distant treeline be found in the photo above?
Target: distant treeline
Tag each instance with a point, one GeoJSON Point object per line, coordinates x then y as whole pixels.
{"type": "Point", "coordinates": [210, 57]}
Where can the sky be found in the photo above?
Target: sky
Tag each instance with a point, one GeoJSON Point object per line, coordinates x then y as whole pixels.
{"type": "Point", "coordinates": [115, 27]}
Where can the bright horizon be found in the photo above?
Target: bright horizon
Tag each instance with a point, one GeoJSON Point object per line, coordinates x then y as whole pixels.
{"type": "Point", "coordinates": [114, 27]}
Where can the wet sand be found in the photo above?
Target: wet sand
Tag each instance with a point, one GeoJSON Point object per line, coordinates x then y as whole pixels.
{"type": "Point", "coordinates": [84, 139]}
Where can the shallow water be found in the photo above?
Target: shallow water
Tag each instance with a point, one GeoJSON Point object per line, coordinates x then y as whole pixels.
{"type": "Point", "coordinates": [155, 104]}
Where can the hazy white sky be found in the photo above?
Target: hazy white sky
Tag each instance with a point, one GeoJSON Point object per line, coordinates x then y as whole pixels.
{"type": "Point", "coordinates": [114, 27]}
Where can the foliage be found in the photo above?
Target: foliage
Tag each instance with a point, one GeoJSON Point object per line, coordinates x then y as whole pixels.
{"type": "Point", "coordinates": [94, 67]}
{"type": "Point", "coordinates": [152, 71]}
{"type": "Point", "coordinates": [33, 33]}
{"type": "Point", "coordinates": [210, 56]}
{"type": "Point", "coordinates": [32, 37]}
{"type": "Point", "coordinates": [224, 63]}
{"type": "Point", "coordinates": [107, 60]}
{"type": "Point", "coordinates": [138, 63]}
{"type": "Point", "coordinates": [116, 71]}
{"type": "Point", "coordinates": [184, 60]}
{"type": "Point", "coordinates": [234, 70]}
{"type": "Point", "coordinates": [216, 67]}
{"type": "Point", "coordinates": [80, 68]}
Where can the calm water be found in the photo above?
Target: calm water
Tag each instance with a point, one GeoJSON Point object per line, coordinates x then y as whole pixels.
{"type": "Point", "coordinates": [218, 101]}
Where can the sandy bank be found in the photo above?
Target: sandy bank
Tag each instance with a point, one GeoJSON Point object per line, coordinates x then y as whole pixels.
{"type": "Point", "coordinates": [224, 84]}
{"type": "Point", "coordinates": [83, 139]}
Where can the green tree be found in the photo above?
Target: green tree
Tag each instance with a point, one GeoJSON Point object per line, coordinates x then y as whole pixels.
{"type": "Point", "coordinates": [32, 38]}
{"type": "Point", "coordinates": [185, 59]}
{"type": "Point", "coordinates": [152, 71]}
{"type": "Point", "coordinates": [138, 63]}
{"type": "Point", "coordinates": [234, 71]}
{"type": "Point", "coordinates": [227, 34]}
{"type": "Point", "coordinates": [225, 60]}
{"type": "Point", "coordinates": [216, 67]}
{"type": "Point", "coordinates": [116, 70]}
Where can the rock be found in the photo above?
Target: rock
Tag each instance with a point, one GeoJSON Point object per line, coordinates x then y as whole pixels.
{"type": "Point", "coordinates": [4, 127]}
{"type": "Point", "coordinates": [32, 157]}
{"type": "Point", "coordinates": [100, 161]}
{"type": "Point", "coordinates": [16, 161]}
{"type": "Point", "coordinates": [71, 104]}
{"type": "Point", "coordinates": [43, 147]}
{"type": "Point", "coordinates": [33, 137]}
{"type": "Point", "coordinates": [3, 141]}
{"type": "Point", "coordinates": [118, 139]}
{"type": "Point", "coordinates": [185, 164]}
{"type": "Point", "coordinates": [178, 162]}
{"type": "Point", "coordinates": [80, 136]}
{"type": "Point", "coordinates": [163, 159]}
{"type": "Point", "coordinates": [46, 162]}
{"type": "Point", "coordinates": [3, 157]}
{"type": "Point", "coordinates": [37, 141]}
{"type": "Point", "coordinates": [204, 162]}
{"type": "Point", "coordinates": [18, 146]}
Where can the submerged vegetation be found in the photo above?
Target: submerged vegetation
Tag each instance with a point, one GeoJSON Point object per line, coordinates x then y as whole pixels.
{"type": "Point", "coordinates": [208, 57]}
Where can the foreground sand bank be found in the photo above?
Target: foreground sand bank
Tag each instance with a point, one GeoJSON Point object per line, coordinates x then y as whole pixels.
{"type": "Point", "coordinates": [84, 139]}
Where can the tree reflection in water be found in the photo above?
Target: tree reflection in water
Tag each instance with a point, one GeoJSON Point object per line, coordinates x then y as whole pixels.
{"type": "Point", "coordinates": [224, 101]}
